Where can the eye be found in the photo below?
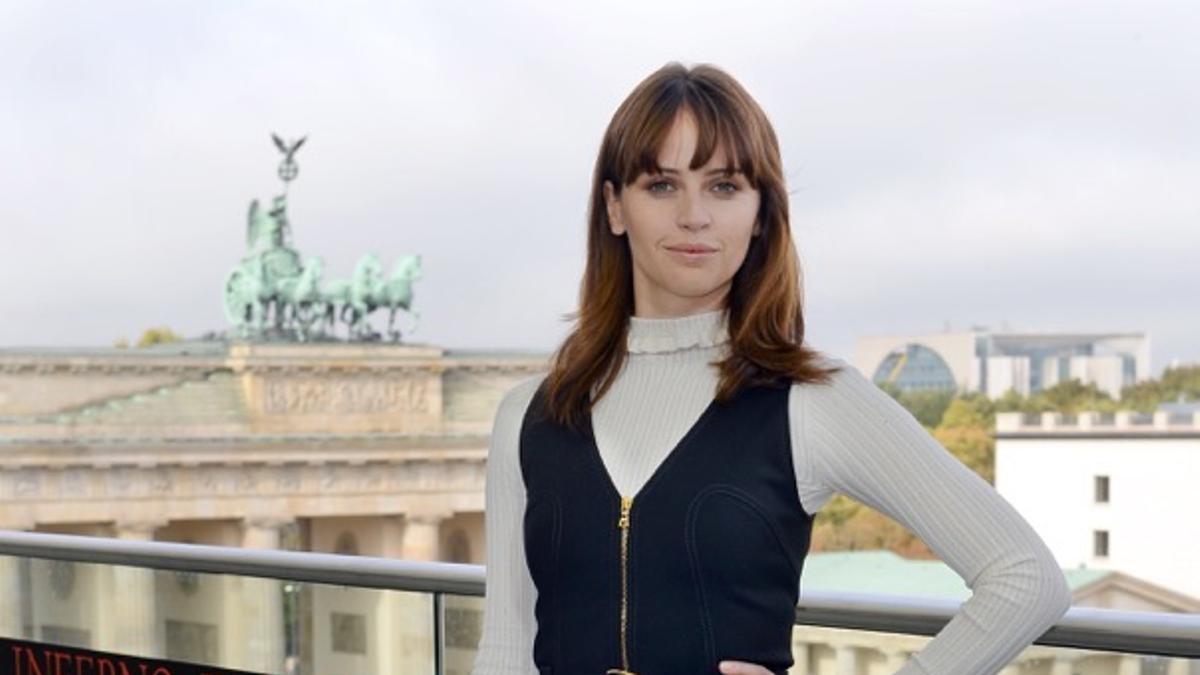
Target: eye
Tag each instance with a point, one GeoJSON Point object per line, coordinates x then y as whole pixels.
{"type": "Point", "coordinates": [726, 186]}
{"type": "Point", "coordinates": [658, 186]}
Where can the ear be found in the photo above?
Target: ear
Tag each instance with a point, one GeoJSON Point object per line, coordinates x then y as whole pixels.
{"type": "Point", "coordinates": [612, 204]}
{"type": "Point", "coordinates": [757, 230]}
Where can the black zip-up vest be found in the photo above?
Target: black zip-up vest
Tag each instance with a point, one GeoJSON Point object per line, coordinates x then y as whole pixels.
{"type": "Point", "coordinates": [701, 565]}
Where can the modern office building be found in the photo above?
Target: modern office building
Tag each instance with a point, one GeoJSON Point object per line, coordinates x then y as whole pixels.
{"type": "Point", "coordinates": [995, 362]}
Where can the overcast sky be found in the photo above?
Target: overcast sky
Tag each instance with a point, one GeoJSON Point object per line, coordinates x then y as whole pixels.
{"type": "Point", "coordinates": [1029, 165]}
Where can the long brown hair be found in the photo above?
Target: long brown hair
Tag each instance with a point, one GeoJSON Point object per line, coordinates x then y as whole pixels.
{"type": "Point", "coordinates": [764, 314]}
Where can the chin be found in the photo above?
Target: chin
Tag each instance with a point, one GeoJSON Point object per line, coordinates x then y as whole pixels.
{"type": "Point", "coordinates": [693, 290]}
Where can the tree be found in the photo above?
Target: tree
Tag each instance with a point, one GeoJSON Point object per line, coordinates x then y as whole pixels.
{"type": "Point", "coordinates": [1011, 401]}
{"type": "Point", "coordinates": [966, 432]}
{"type": "Point", "coordinates": [973, 446]}
{"type": "Point", "coordinates": [927, 405]}
{"type": "Point", "coordinates": [969, 410]}
{"type": "Point", "coordinates": [846, 525]}
{"type": "Point", "coordinates": [1175, 383]}
{"type": "Point", "coordinates": [158, 335]}
{"type": "Point", "coordinates": [1073, 396]}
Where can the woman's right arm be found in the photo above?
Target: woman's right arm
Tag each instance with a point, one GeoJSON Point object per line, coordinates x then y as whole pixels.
{"type": "Point", "coordinates": [506, 646]}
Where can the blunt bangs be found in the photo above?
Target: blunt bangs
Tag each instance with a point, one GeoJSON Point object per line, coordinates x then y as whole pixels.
{"type": "Point", "coordinates": [721, 124]}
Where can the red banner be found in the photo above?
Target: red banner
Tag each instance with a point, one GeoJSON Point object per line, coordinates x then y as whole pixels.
{"type": "Point", "coordinates": [32, 658]}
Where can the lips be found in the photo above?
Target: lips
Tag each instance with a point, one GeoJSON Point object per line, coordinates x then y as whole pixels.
{"type": "Point", "coordinates": [692, 248]}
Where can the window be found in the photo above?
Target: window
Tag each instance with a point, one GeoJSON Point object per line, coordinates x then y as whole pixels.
{"type": "Point", "coordinates": [1100, 543]}
{"type": "Point", "coordinates": [1101, 489]}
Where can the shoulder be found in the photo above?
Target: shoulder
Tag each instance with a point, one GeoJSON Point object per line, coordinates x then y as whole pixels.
{"type": "Point", "coordinates": [513, 404]}
{"type": "Point", "coordinates": [505, 442]}
{"type": "Point", "coordinates": [844, 376]}
{"type": "Point", "coordinates": [847, 398]}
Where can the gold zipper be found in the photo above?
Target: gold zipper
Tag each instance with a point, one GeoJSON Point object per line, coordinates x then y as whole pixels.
{"type": "Point", "coordinates": [623, 524]}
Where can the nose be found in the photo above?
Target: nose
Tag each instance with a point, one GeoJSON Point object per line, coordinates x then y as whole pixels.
{"type": "Point", "coordinates": [692, 214]}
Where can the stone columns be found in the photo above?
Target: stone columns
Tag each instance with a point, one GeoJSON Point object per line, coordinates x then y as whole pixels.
{"type": "Point", "coordinates": [421, 535]}
{"type": "Point", "coordinates": [895, 659]}
{"type": "Point", "coordinates": [13, 595]}
{"type": "Point", "coordinates": [405, 628]}
{"type": "Point", "coordinates": [1178, 666]}
{"type": "Point", "coordinates": [259, 603]}
{"type": "Point", "coordinates": [1062, 664]}
{"type": "Point", "coordinates": [800, 654]}
{"type": "Point", "coordinates": [1129, 664]}
{"type": "Point", "coordinates": [262, 532]}
{"type": "Point", "coordinates": [129, 604]}
{"type": "Point", "coordinates": [847, 660]}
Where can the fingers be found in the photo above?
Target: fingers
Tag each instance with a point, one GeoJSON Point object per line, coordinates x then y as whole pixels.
{"type": "Point", "coordinates": [742, 668]}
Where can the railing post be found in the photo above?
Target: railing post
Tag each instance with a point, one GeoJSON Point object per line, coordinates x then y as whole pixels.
{"type": "Point", "coordinates": [439, 633]}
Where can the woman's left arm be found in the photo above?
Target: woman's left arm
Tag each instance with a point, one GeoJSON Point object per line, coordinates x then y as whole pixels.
{"type": "Point", "coordinates": [853, 438]}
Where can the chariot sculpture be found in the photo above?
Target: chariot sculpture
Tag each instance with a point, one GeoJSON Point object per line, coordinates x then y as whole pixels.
{"type": "Point", "coordinates": [276, 294]}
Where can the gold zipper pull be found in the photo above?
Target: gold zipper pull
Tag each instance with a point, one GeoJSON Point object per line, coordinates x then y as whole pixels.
{"type": "Point", "coordinates": [626, 504]}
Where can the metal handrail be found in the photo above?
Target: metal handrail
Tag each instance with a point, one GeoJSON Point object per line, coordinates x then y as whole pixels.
{"type": "Point", "coordinates": [1089, 628]}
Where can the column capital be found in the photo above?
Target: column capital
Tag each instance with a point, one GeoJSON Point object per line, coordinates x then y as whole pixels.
{"type": "Point", "coordinates": [138, 528]}
{"type": "Point", "coordinates": [261, 531]}
{"type": "Point", "coordinates": [428, 517]}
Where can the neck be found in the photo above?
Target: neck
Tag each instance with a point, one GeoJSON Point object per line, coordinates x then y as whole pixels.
{"type": "Point", "coordinates": [645, 307]}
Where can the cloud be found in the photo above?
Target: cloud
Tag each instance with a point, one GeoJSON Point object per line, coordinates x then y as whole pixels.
{"type": "Point", "coordinates": [1040, 155]}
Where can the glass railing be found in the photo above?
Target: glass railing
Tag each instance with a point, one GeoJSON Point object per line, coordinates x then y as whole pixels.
{"type": "Point", "coordinates": [293, 612]}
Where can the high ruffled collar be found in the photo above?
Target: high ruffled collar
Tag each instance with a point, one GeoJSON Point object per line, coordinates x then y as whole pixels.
{"type": "Point", "coordinates": [706, 329]}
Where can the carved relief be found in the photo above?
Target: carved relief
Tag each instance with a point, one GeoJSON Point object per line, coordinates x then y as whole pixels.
{"type": "Point", "coordinates": [464, 627]}
{"type": "Point", "coordinates": [120, 480]}
{"type": "Point", "coordinates": [192, 641]}
{"type": "Point", "coordinates": [62, 578]}
{"type": "Point", "coordinates": [348, 633]}
{"type": "Point", "coordinates": [329, 476]}
{"type": "Point", "coordinates": [288, 478]}
{"type": "Point", "coordinates": [27, 483]}
{"type": "Point", "coordinates": [209, 479]}
{"type": "Point", "coordinates": [160, 481]}
{"type": "Point", "coordinates": [75, 483]}
{"type": "Point", "coordinates": [370, 477]}
{"type": "Point", "coordinates": [348, 395]}
{"type": "Point", "coordinates": [247, 479]}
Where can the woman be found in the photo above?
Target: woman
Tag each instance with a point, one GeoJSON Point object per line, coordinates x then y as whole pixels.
{"type": "Point", "coordinates": [649, 502]}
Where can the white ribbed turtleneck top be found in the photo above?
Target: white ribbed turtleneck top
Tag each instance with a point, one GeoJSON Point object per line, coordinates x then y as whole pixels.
{"type": "Point", "coordinates": [847, 437]}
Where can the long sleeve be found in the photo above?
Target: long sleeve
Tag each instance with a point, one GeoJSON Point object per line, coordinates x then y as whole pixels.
{"type": "Point", "coordinates": [506, 646]}
{"type": "Point", "coordinates": [851, 437]}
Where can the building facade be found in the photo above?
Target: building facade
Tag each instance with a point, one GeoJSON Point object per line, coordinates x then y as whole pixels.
{"type": "Point", "coordinates": [996, 362]}
{"type": "Point", "coordinates": [1113, 492]}
{"type": "Point", "coordinates": [337, 448]}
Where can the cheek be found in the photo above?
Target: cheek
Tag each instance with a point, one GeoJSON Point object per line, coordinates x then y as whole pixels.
{"type": "Point", "coordinates": [649, 225]}
{"type": "Point", "coordinates": [738, 221]}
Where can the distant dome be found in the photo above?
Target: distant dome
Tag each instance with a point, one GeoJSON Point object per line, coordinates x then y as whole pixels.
{"type": "Point", "coordinates": [915, 367]}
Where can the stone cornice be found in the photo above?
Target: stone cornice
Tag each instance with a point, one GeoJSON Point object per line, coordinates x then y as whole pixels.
{"type": "Point", "coordinates": [70, 494]}
{"type": "Point", "coordinates": [106, 365]}
{"type": "Point", "coordinates": [166, 449]}
{"type": "Point", "coordinates": [138, 364]}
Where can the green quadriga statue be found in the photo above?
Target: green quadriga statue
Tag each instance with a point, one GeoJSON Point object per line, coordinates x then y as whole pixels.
{"type": "Point", "coordinates": [272, 295]}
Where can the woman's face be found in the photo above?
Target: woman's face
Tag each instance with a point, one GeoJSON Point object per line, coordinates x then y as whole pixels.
{"type": "Point", "coordinates": [688, 230]}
